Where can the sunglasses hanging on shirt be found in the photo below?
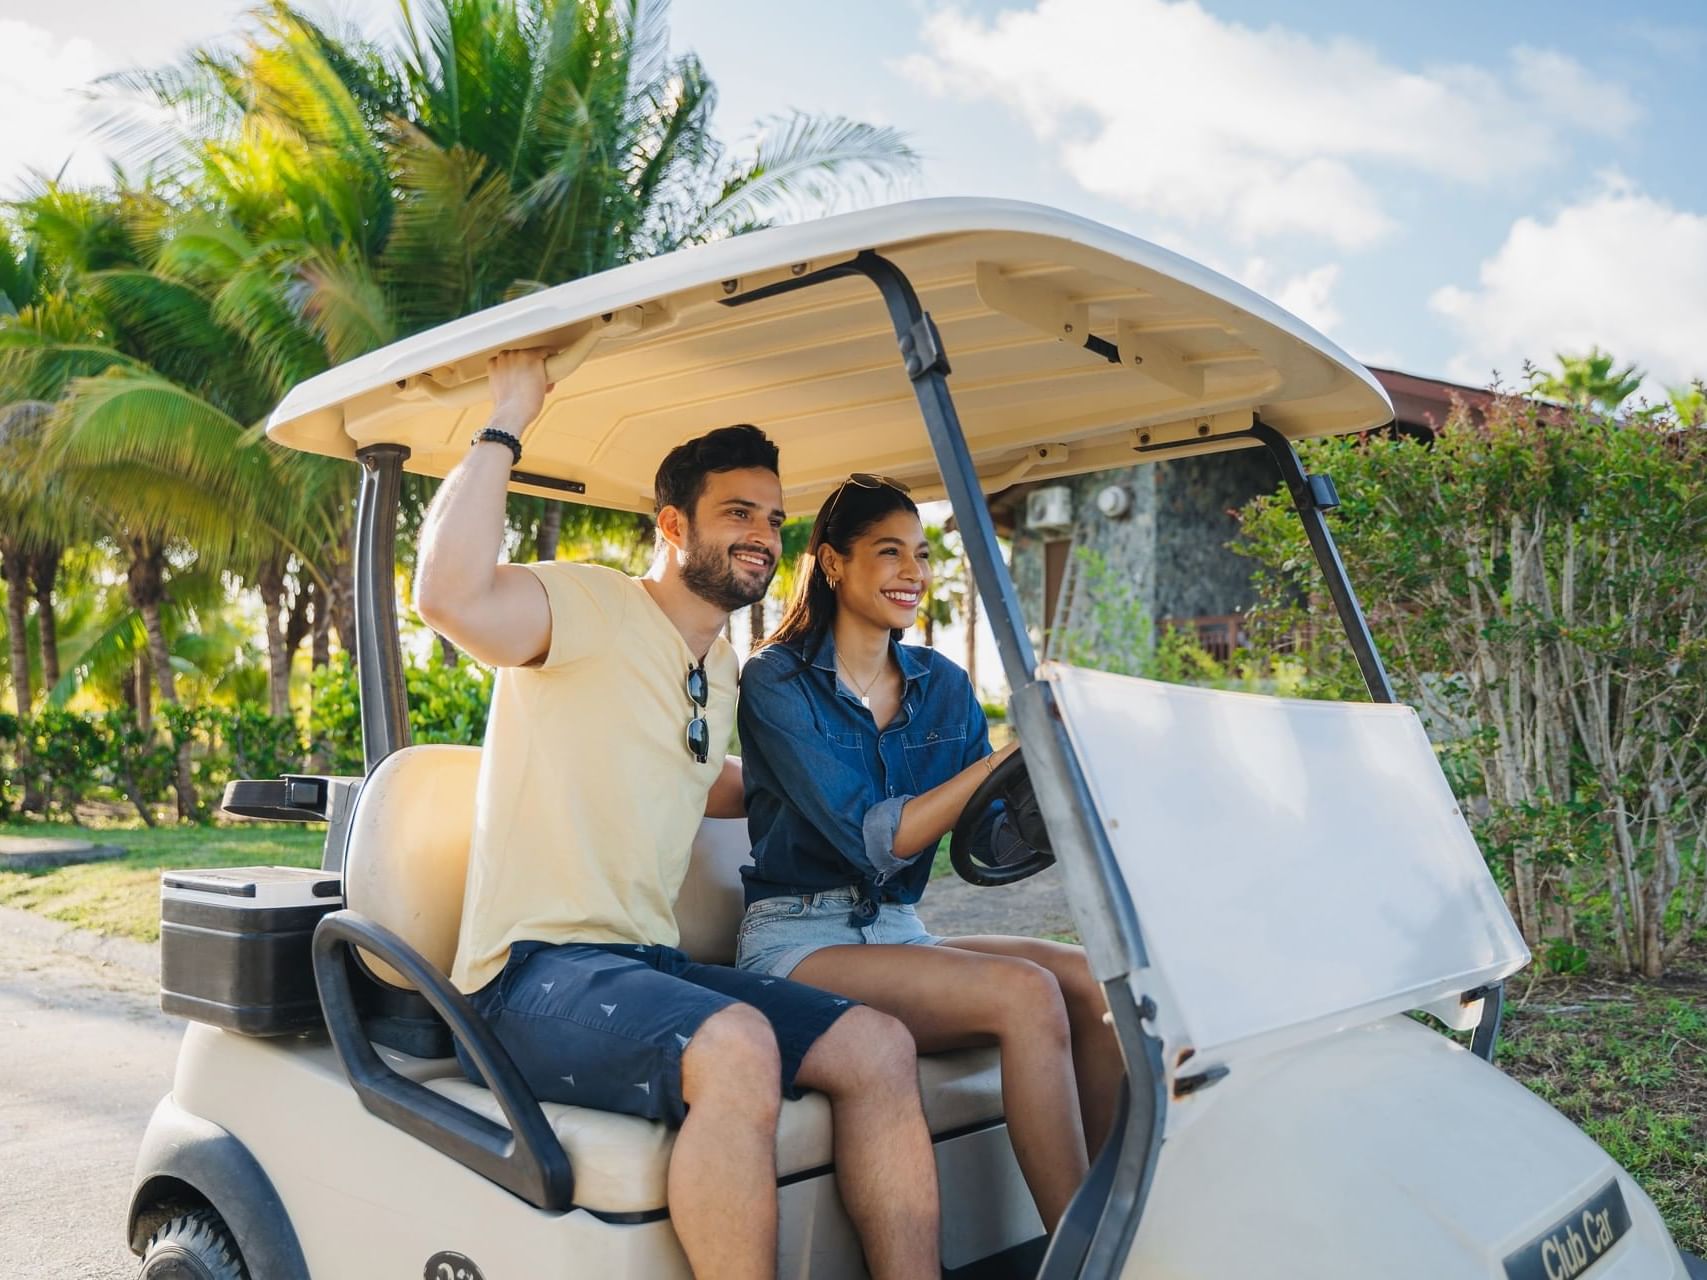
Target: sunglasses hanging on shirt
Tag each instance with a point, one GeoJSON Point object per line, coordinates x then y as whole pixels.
{"type": "Point", "coordinates": [698, 686]}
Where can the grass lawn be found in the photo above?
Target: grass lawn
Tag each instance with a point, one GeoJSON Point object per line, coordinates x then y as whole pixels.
{"type": "Point", "coordinates": [1627, 1061]}
{"type": "Point", "coordinates": [123, 896]}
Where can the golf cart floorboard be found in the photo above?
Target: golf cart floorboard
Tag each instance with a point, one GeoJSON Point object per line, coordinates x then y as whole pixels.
{"type": "Point", "coordinates": [1696, 1267]}
{"type": "Point", "coordinates": [1022, 1260]}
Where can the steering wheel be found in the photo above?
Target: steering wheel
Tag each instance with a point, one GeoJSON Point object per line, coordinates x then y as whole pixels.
{"type": "Point", "coordinates": [1009, 782]}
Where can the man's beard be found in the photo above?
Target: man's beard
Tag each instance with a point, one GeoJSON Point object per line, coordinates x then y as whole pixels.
{"type": "Point", "coordinates": [709, 572]}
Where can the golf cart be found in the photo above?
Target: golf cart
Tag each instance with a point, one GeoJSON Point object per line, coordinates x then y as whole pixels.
{"type": "Point", "coordinates": [1265, 887]}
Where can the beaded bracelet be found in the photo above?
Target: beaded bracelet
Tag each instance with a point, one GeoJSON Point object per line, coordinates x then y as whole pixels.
{"type": "Point", "coordinates": [502, 437]}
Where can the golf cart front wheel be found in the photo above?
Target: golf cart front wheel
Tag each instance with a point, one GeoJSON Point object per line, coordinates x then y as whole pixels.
{"type": "Point", "coordinates": [193, 1246]}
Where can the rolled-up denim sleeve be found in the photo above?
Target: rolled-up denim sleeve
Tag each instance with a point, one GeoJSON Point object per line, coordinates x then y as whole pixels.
{"type": "Point", "coordinates": [777, 723]}
{"type": "Point", "coordinates": [881, 822]}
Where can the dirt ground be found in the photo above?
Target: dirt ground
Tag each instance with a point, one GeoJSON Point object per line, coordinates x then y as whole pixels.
{"type": "Point", "coordinates": [1036, 907]}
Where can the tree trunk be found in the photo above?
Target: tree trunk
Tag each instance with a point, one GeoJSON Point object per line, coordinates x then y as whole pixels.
{"type": "Point", "coordinates": [160, 656]}
{"type": "Point", "coordinates": [930, 629]}
{"type": "Point", "coordinates": [145, 578]}
{"type": "Point", "coordinates": [972, 635]}
{"type": "Point", "coordinates": [296, 630]}
{"type": "Point", "coordinates": [270, 579]}
{"type": "Point", "coordinates": [550, 530]}
{"type": "Point", "coordinates": [756, 622]}
{"type": "Point", "coordinates": [144, 686]}
{"type": "Point", "coordinates": [320, 634]}
{"type": "Point", "coordinates": [44, 576]}
{"type": "Point", "coordinates": [14, 568]}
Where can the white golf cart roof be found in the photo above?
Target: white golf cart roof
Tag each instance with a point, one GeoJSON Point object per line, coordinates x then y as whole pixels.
{"type": "Point", "coordinates": [652, 354]}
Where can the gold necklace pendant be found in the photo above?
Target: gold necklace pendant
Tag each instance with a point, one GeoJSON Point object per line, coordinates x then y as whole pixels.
{"type": "Point", "coordinates": [863, 694]}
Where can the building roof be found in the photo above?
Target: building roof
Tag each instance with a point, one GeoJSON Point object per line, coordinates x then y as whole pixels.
{"type": "Point", "coordinates": [1420, 406]}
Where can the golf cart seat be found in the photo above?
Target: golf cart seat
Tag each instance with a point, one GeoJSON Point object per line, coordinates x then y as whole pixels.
{"type": "Point", "coordinates": [405, 866]}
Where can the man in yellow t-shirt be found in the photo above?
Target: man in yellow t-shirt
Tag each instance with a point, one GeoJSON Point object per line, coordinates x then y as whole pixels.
{"type": "Point", "coordinates": [612, 709]}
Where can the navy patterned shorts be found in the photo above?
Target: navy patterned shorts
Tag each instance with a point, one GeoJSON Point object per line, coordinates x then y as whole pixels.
{"type": "Point", "coordinates": [604, 1025]}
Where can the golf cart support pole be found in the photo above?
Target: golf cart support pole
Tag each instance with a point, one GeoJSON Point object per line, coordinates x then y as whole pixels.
{"type": "Point", "coordinates": [379, 657]}
{"type": "Point", "coordinates": [1103, 1217]}
{"type": "Point", "coordinates": [1314, 496]}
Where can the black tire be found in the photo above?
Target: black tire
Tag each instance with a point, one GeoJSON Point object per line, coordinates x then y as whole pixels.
{"type": "Point", "coordinates": [194, 1246]}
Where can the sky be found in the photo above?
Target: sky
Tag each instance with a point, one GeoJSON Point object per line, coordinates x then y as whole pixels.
{"type": "Point", "coordinates": [1448, 188]}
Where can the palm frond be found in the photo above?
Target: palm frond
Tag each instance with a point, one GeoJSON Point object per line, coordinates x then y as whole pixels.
{"type": "Point", "coordinates": [344, 304]}
{"type": "Point", "coordinates": [106, 655]}
{"type": "Point", "coordinates": [452, 214]}
{"type": "Point", "coordinates": [37, 365]}
{"type": "Point", "coordinates": [154, 454]}
{"type": "Point", "coordinates": [804, 161]}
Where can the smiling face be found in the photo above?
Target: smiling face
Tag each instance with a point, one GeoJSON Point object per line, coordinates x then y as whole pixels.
{"type": "Point", "coordinates": [730, 547]}
{"type": "Point", "coordinates": [883, 578]}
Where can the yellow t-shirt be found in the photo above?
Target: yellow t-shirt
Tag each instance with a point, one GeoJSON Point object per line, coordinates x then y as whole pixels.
{"type": "Point", "coordinates": [589, 798]}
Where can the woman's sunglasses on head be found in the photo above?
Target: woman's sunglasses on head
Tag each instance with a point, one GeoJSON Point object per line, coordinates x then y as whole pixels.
{"type": "Point", "coordinates": [865, 480]}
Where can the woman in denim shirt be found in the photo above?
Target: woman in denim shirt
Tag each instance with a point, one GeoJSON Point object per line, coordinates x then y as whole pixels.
{"type": "Point", "coordinates": [859, 754]}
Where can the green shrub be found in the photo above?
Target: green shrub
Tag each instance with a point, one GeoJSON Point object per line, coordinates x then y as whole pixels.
{"type": "Point", "coordinates": [8, 763]}
{"type": "Point", "coordinates": [1538, 586]}
{"type": "Point", "coordinates": [446, 704]}
{"type": "Point", "coordinates": [246, 741]}
{"type": "Point", "coordinates": [66, 754]}
{"type": "Point", "coordinates": [138, 764]}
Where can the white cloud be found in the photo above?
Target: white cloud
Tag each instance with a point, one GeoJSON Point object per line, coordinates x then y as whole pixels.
{"type": "Point", "coordinates": [1165, 107]}
{"type": "Point", "coordinates": [1307, 295]}
{"type": "Point", "coordinates": [1619, 269]}
{"type": "Point", "coordinates": [40, 77]}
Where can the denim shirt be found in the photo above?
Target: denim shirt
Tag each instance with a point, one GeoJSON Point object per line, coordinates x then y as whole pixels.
{"type": "Point", "coordinates": [825, 786]}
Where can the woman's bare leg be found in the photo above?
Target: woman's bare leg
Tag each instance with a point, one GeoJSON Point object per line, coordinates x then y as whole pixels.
{"type": "Point", "coordinates": [1097, 1063]}
{"type": "Point", "coordinates": [952, 998]}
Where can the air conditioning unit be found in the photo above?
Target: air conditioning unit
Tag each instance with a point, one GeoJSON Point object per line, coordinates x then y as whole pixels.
{"type": "Point", "coordinates": [1049, 508]}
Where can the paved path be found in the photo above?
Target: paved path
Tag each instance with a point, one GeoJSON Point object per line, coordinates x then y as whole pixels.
{"type": "Point", "coordinates": [33, 853]}
{"type": "Point", "coordinates": [85, 1053]}
{"type": "Point", "coordinates": [1036, 907]}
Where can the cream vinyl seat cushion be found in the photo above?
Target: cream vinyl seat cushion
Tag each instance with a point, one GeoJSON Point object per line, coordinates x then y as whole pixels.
{"type": "Point", "coordinates": [621, 1162]}
{"type": "Point", "coordinates": [404, 868]}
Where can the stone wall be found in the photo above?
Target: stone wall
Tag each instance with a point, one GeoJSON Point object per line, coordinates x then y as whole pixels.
{"type": "Point", "coordinates": [1169, 549]}
{"type": "Point", "coordinates": [1196, 574]}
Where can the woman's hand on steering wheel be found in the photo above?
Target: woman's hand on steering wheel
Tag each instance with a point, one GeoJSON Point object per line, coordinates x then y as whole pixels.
{"type": "Point", "coordinates": [1008, 782]}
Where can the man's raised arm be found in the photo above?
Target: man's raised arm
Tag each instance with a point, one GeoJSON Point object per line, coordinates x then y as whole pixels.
{"type": "Point", "coordinates": [496, 612]}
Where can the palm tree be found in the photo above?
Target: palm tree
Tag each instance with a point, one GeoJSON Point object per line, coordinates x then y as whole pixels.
{"type": "Point", "coordinates": [154, 461]}
{"type": "Point", "coordinates": [33, 526]}
{"type": "Point", "coordinates": [496, 149]}
{"type": "Point", "coordinates": [320, 197]}
{"type": "Point", "coordinates": [1588, 381]}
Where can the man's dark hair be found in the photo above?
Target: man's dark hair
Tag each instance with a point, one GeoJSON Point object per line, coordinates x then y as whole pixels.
{"type": "Point", "coordinates": [681, 475]}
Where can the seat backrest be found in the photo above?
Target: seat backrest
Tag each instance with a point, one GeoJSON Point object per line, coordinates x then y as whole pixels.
{"type": "Point", "coordinates": [407, 860]}
{"type": "Point", "coordinates": [708, 909]}
{"type": "Point", "coordinates": [407, 856]}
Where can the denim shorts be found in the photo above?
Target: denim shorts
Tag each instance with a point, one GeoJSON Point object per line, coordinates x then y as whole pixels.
{"type": "Point", "coordinates": [605, 1025]}
{"type": "Point", "coordinates": [778, 933]}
